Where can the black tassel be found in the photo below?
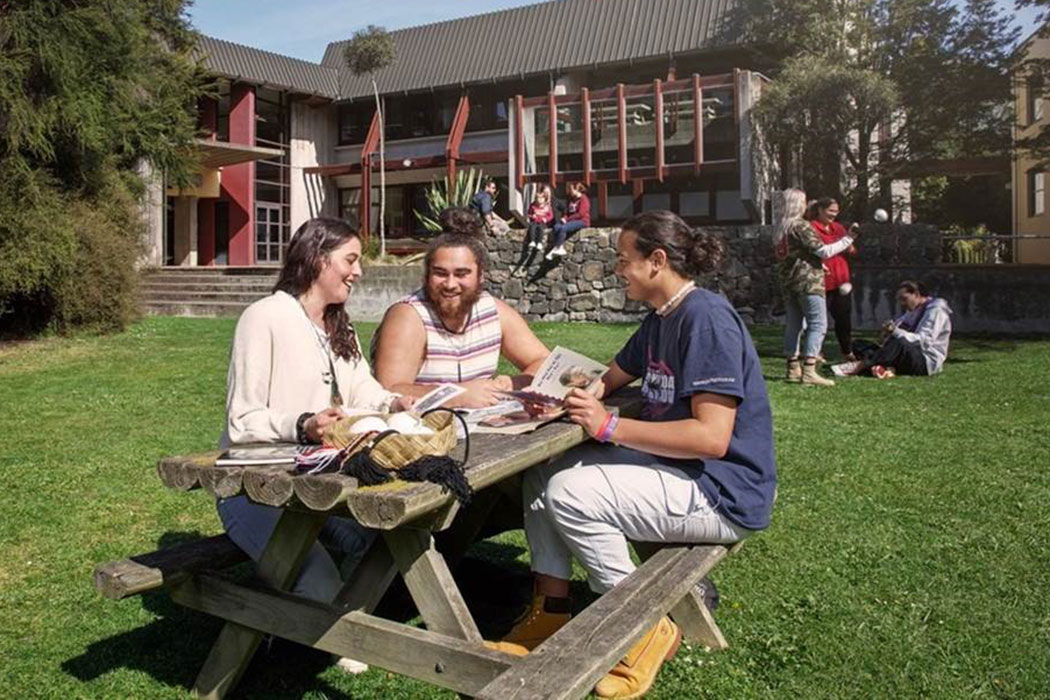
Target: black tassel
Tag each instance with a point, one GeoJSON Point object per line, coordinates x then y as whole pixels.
{"type": "Point", "coordinates": [365, 470]}
{"type": "Point", "coordinates": [443, 471]}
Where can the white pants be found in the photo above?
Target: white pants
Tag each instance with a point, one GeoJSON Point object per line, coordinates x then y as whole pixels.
{"type": "Point", "coordinates": [593, 499]}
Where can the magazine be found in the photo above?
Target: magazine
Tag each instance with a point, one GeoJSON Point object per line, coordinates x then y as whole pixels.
{"type": "Point", "coordinates": [562, 371]}
{"type": "Point", "coordinates": [541, 401]}
{"type": "Point", "coordinates": [249, 455]}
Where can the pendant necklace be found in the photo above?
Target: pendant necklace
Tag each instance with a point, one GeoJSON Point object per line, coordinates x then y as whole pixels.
{"type": "Point", "coordinates": [670, 304]}
{"type": "Point", "coordinates": [325, 347]}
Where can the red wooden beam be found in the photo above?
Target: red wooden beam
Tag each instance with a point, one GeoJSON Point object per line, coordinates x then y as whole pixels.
{"type": "Point", "coordinates": [621, 124]}
{"type": "Point", "coordinates": [519, 142]}
{"type": "Point", "coordinates": [585, 96]}
{"type": "Point", "coordinates": [658, 100]}
{"type": "Point", "coordinates": [455, 136]}
{"type": "Point", "coordinates": [552, 129]}
{"type": "Point", "coordinates": [367, 150]}
{"type": "Point", "coordinates": [698, 124]}
{"type": "Point", "coordinates": [709, 82]}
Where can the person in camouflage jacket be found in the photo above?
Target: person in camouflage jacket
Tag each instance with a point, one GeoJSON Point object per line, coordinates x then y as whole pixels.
{"type": "Point", "coordinates": [800, 269]}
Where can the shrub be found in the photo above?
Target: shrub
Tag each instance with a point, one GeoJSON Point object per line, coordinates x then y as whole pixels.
{"type": "Point", "coordinates": [88, 90]}
{"type": "Point", "coordinates": [441, 194]}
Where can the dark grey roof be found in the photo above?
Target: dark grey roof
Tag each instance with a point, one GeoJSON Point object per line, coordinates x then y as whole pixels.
{"type": "Point", "coordinates": [257, 66]}
{"type": "Point", "coordinates": [538, 38]}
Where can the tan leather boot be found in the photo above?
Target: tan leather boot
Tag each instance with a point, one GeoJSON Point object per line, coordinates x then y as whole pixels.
{"type": "Point", "coordinates": [634, 674]}
{"type": "Point", "coordinates": [794, 370]}
{"type": "Point", "coordinates": [531, 628]}
{"type": "Point", "coordinates": [810, 375]}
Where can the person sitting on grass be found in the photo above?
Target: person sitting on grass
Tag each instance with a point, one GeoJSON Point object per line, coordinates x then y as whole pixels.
{"type": "Point", "coordinates": [484, 203]}
{"type": "Point", "coordinates": [295, 363]}
{"type": "Point", "coordinates": [451, 330]}
{"type": "Point", "coordinates": [577, 216]}
{"type": "Point", "coordinates": [915, 343]}
{"type": "Point", "coordinates": [697, 467]}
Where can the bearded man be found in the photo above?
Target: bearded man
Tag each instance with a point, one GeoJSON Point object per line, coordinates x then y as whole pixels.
{"type": "Point", "coordinates": [451, 330]}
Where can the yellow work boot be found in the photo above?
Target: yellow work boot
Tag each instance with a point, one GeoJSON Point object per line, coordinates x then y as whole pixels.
{"type": "Point", "coordinates": [794, 370]}
{"type": "Point", "coordinates": [634, 674]}
{"type": "Point", "coordinates": [508, 648]}
{"type": "Point", "coordinates": [543, 618]}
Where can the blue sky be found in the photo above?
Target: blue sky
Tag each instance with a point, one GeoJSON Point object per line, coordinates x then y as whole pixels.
{"type": "Point", "coordinates": [303, 28]}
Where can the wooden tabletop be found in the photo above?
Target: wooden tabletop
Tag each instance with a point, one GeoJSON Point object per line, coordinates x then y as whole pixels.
{"type": "Point", "coordinates": [493, 458]}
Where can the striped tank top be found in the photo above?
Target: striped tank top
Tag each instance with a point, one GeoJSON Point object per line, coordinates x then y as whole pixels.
{"type": "Point", "coordinates": [459, 357]}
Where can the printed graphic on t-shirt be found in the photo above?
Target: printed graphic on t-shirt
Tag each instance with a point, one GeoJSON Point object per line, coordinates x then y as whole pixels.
{"type": "Point", "coordinates": [657, 389]}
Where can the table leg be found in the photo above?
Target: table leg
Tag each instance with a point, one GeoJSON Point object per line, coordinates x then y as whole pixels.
{"type": "Point", "coordinates": [279, 566]}
{"type": "Point", "coordinates": [690, 613]}
{"type": "Point", "coordinates": [430, 583]}
{"type": "Point", "coordinates": [369, 581]}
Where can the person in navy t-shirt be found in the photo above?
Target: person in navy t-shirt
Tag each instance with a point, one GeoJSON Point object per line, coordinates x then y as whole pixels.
{"type": "Point", "coordinates": [697, 466]}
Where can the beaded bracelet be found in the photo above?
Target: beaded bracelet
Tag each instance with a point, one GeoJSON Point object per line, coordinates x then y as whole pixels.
{"type": "Point", "coordinates": [605, 433]}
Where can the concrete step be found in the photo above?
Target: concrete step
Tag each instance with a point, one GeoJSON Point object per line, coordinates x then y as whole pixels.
{"type": "Point", "coordinates": [209, 279]}
{"type": "Point", "coordinates": [197, 295]}
{"type": "Point", "coordinates": [150, 287]}
{"type": "Point", "coordinates": [162, 307]}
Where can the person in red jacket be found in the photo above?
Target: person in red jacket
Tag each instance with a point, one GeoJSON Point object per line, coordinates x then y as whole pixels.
{"type": "Point", "coordinates": [577, 216]}
{"type": "Point", "coordinates": [837, 284]}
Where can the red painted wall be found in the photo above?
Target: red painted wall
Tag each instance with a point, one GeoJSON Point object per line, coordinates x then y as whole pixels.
{"type": "Point", "coordinates": [206, 232]}
{"type": "Point", "coordinates": [238, 181]}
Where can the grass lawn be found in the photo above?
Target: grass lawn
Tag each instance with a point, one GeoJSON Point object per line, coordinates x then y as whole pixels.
{"type": "Point", "coordinates": [908, 554]}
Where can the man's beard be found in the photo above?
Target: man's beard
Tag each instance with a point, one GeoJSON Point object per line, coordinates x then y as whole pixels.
{"type": "Point", "coordinates": [454, 308]}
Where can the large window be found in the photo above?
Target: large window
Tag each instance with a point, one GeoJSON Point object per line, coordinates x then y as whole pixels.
{"type": "Point", "coordinates": [1034, 89]}
{"type": "Point", "coordinates": [1036, 192]}
{"type": "Point", "coordinates": [272, 177]}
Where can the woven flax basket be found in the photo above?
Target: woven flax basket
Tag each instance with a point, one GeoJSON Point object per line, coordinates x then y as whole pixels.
{"type": "Point", "coordinates": [395, 450]}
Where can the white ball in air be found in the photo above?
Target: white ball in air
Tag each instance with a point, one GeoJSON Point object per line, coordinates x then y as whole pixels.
{"type": "Point", "coordinates": [881, 216]}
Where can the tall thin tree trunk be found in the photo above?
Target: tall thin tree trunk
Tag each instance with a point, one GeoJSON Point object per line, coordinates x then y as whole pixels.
{"type": "Point", "coordinates": [382, 170]}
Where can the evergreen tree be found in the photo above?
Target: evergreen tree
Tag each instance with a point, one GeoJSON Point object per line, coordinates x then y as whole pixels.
{"type": "Point", "coordinates": [864, 87]}
{"type": "Point", "coordinates": [88, 90]}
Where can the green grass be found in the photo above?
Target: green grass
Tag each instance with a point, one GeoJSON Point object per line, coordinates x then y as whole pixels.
{"type": "Point", "coordinates": [907, 557]}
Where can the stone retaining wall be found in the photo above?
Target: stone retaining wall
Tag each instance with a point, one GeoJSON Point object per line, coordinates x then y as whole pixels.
{"type": "Point", "coordinates": [585, 288]}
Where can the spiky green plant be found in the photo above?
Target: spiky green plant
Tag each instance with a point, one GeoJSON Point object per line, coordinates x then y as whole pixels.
{"type": "Point", "coordinates": [441, 194]}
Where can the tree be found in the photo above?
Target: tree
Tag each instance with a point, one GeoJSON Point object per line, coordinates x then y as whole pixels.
{"type": "Point", "coordinates": [369, 51]}
{"type": "Point", "coordinates": [88, 90]}
{"type": "Point", "coordinates": [880, 84]}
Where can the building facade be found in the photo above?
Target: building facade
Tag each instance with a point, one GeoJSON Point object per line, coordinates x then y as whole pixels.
{"type": "Point", "coordinates": [1031, 207]}
{"type": "Point", "coordinates": [647, 101]}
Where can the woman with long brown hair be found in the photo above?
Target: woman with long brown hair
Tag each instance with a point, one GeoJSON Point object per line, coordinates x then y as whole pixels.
{"type": "Point", "coordinates": [295, 364]}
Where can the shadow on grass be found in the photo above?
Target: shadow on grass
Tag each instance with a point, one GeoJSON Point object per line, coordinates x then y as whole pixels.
{"type": "Point", "coordinates": [173, 647]}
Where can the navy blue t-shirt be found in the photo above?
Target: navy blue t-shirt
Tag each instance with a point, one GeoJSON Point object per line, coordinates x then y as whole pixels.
{"type": "Point", "coordinates": [703, 347]}
{"type": "Point", "coordinates": [482, 203]}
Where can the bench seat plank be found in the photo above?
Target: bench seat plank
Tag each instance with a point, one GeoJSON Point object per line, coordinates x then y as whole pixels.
{"type": "Point", "coordinates": [146, 572]}
{"type": "Point", "coordinates": [568, 664]}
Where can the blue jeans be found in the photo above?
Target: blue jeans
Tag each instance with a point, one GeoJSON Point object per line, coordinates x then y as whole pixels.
{"type": "Point", "coordinates": [804, 312]}
{"type": "Point", "coordinates": [562, 231]}
{"type": "Point", "coordinates": [250, 525]}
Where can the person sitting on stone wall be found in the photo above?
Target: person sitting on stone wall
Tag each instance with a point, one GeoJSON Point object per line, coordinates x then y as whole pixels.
{"type": "Point", "coordinates": [484, 202]}
{"type": "Point", "coordinates": [914, 343]}
{"type": "Point", "coordinates": [451, 330]}
{"type": "Point", "coordinates": [577, 216]}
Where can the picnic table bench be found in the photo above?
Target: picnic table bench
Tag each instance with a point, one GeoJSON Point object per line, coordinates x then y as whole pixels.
{"type": "Point", "coordinates": [449, 652]}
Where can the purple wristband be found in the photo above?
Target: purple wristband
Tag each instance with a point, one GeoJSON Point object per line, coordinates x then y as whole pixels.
{"type": "Point", "coordinates": [610, 428]}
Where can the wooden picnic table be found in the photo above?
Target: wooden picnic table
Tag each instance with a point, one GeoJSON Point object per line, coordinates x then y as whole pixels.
{"type": "Point", "coordinates": [449, 652]}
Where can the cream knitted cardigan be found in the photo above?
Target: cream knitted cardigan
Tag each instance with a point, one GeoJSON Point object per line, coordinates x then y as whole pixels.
{"type": "Point", "coordinates": [276, 368]}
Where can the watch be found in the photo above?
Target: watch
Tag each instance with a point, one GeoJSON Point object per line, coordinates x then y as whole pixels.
{"type": "Point", "coordinates": [300, 428]}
